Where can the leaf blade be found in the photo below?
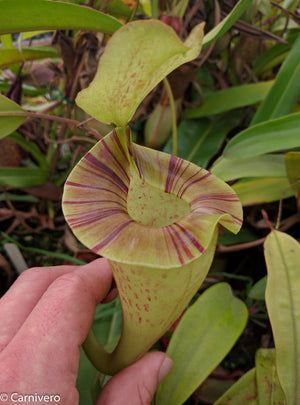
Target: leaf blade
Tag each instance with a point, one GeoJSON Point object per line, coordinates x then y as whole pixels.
{"type": "Point", "coordinates": [194, 348]}
{"type": "Point", "coordinates": [282, 254]}
{"type": "Point", "coordinates": [270, 136]}
{"type": "Point", "coordinates": [229, 99]}
{"type": "Point", "coordinates": [36, 15]}
{"type": "Point", "coordinates": [285, 91]}
{"type": "Point", "coordinates": [227, 23]}
{"type": "Point", "coordinates": [9, 124]}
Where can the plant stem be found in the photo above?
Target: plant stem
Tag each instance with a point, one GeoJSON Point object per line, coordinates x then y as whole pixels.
{"type": "Point", "coordinates": [174, 118]}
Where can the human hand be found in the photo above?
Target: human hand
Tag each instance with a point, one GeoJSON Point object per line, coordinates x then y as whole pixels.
{"type": "Point", "coordinates": [44, 318]}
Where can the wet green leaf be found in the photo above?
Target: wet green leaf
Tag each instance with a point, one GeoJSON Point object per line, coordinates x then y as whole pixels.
{"type": "Point", "coordinates": [33, 15]}
{"type": "Point", "coordinates": [282, 254]}
{"type": "Point", "coordinates": [205, 334]}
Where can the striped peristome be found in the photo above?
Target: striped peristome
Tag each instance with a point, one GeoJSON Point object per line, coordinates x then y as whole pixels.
{"type": "Point", "coordinates": [114, 185]}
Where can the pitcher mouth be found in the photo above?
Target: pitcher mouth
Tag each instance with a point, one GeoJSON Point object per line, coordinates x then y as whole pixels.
{"type": "Point", "coordinates": [145, 207]}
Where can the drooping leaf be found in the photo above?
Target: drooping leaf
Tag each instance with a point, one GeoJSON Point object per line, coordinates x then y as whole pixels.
{"type": "Point", "coordinates": [12, 56]}
{"type": "Point", "coordinates": [256, 191]}
{"type": "Point", "coordinates": [257, 166]}
{"type": "Point", "coordinates": [242, 392]}
{"type": "Point", "coordinates": [22, 176]}
{"type": "Point", "coordinates": [227, 23]}
{"type": "Point", "coordinates": [229, 99]}
{"type": "Point", "coordinates": [135, 60]}
{"type": "Point", "coordinates": [268, 387]}
{"type": "Point", "coordinates": [33, 15]}
{"type": "Point", "coordinates": [9, 124]}
{"type": "Point", "coordinates": [205, 334]}
{"type": "Point", "coordinates": [270, 136]}
{"type": "Point", "coordinates": [285, 91]}
{"type": "Point", "coordinates": [282, 254]}
{"type": "Point", "coordinates": [200, 140]}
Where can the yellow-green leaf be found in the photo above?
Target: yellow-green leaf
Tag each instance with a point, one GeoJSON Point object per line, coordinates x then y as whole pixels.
{"type": "Point", "coordinates": [292, 164]}
{"type": "Point", "coordinates": [268, 387]}
{"type": "Point", "coordinates": [205, 334]}
{"type": "Point", "coordinates": [33, 15]}
{"type": "Point", "coordinates": [243, 392]}
{"type": "Point", "coordinates": [11, 56]}
{"type": "Point", "coordinates": [262, 190]}
{"type": "Point", "coordinates": [282, 254]}
{"type": "Point", "coordinates": [10, 123]}
{"type": "Point", "coordinates": [136, 59]}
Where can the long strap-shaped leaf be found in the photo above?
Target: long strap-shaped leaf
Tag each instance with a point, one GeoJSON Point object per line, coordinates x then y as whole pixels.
{"type": "Point", "coordinates": [282, 254]}
{"type": "Point", "coordinates": [285, 91]}
{"type": "Point", "coordinates": [205, 334]}
{"type": "Point", "coordinates": [32, 15]}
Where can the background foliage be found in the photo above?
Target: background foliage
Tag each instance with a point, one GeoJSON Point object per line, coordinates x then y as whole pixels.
{"type": "Point", "coordinates": [238, 115]}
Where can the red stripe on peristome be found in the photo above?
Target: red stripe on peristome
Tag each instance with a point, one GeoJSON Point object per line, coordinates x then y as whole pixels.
{"type": "Point", "coordinates": [102, 169]}
{"type": "Point", "coordinates": [191, 183]}
{"type": "Point", "coordinates": [175, 245]}
{"type": "Point", "coordinates": [182, 243]}
{"type": "Point", "coordinates": [79, 185]}
{"type": "Point", "coordinates": [93, 217]}
{"type": "Point", "coordinates": [112, 236]}
{"type": "Point", "coordinates": [191, 238]}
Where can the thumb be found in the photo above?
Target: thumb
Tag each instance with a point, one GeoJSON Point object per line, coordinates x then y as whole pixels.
{"type": "Point", "coordinates": [136, 384]}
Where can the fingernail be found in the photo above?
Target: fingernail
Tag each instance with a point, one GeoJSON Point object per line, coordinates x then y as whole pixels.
{"type": "Point", "coordinates": [165, 368]}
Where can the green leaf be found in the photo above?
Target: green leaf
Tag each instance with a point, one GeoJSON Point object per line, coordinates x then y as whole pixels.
{"type": "Point", "coordinates": [22, 176]}
{"type": "Point", "coordinates": [33, 15]}
{"type": "Point", "coordinates": [292, 163]}
{"type": "Point", "coordinates": [227, 23]}
{"type": "Point", "coordinates": [269, 136]}
{"type": "Point", "coordinates": [199, 140]}
{"type": "Point", "coordinates": [242, 392]}
{"type": "Point", "coordinates": [12, 56]}
{"type": "Point", "coordinates": [32, 148]}
{"type": "Point", "coordinates": [135, 60]}
{"type": "Point", "coordinates": [228, 99]}
{"type": "Point", "coordinates": [256, 191]}
{"type": "Point", "coordinates": [285, 91]}
{"type": "Point", "coordinates": [282, 254]}
{"type": "Point", "coordinates": [257, 166]}
{"type": "Point", "coordinates": [257, 292]}
{"type": "Point", "coordinates": [9, 124]}
{"type": "Point", "coordinates": [268, 387]}
{"type": "Point", "coordinates": [205, 334]}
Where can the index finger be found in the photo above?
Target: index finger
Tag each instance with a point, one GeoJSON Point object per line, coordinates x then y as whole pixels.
{"type": "Point", "coordinates": [56, 328]}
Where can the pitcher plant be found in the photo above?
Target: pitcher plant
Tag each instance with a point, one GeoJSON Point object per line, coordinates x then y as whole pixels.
{"type": "Point", "coordinates": [154, 216]}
